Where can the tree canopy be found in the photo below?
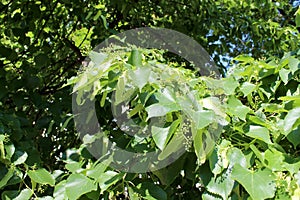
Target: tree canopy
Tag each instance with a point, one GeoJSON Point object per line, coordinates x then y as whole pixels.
{"type": "Point", "coordinates": [255, 45]}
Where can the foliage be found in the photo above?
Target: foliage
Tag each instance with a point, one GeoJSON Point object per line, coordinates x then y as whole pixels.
{"type": "Point", "coordinates": [257, 155]}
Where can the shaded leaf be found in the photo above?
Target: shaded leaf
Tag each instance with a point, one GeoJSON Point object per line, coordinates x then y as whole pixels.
{"type": "Point", "coordinates": [19, 157]}
{"type": "Point", "coordinates": [151, 191]}
{"type": "Point", "coordinates": [6, 177]}
{"type": "Point", "coordinates": [108, 179]}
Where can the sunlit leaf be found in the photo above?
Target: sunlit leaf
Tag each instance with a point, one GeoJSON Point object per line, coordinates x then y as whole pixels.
{"type": "Point", "coordinates": [41, 176]}
{"type": "Point", "coordinates": [77, 185]}
{"type": "Point", "coordinates": [260, 133]}
{"type": "Point", "coordinates": [259, 184]}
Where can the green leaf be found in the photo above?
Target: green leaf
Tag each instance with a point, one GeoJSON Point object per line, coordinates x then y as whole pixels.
{"type": "Point", "coordinates": [6, 178]}
{"type": "Point", "coordinates": [19, 157]}
{"type": "Point", "coordinates": [9, 194]}
{"type": "Point", "coordinates": [221, 185]}
{"type": "Point", "coordinates": [294, 64]}
{"type": "Point", "coordinates": [247, 88]}
{"type": "Point", "coordinates": [214, 103]}
{"type": "Point", "coordinates": [259, 184]}
{"type": "Point", "coordinates": [99, 168]}
{"type": "Point", "coordinates": [44, 198]}
{"type": "Point", "coordinates": [207, 196]}
{"type": "Point", "coordinates": [274, 159]}
{"type": "Point", "coordinates": [217, 159]}
{"type": "Point", "coordinates": [202, 118]}
{"type": "Point", "coordinates": [235, 107]}
{"type": "Point", "coordinates": [150, 191]}
{"type": "Point", "coordinates": [24, 195]}
{"type": "Point", "coordinates": [123, 90]}
{"type": "Point", "coordinates": [260, 133]}
{"type": "Point", "coordinates": [41, 176]}
{"type": "Point", "coordinates": [2, 137]}
{"type": "Point", "coordinates": [135, 110]}
{"type": "Point", "coordinates": [60, 190]}
{"type": "Point", "coordinates": [291, 120]}
{"type": "Point", "coordinates": [140, 76]}
{"type": "Point", "coordinates": [132, 194]}
{"type": "Point", "coordinates": [175, 144]}
{"type": "Point", "coordinates": [157, 110]}
{"type": "Point", "coordinates": [160, 136]}
{"type": "Point", "coordinates": [244, 58]}
{"type": "Point", "coordinates": [97, 58]}
{"type": "Point", "coordinates": [236, 156]}
{"type": "Point", "coordinates": [10, 150]}
{"type": "Point", "coordinates": [108, 179]}
{"type": "Point", "coordinates": [284, 75]}
{"type": "Point", "coordinates": [297, 19]}
{"type": "Point", "coordinates": [203, 143]}
{"type": "Point", "coordinates": [294, 137]}
{"type": "Point", "coordinates": [74, 167]}
{"type": "Point", "coordinates": [167, 175]}
{"type": "Point", "coordinates": [229, 85]}
{"type": "Point", "coordinates": [135, 58]}
{"type": "Point", "coordinates": [166, 103]}
{"type": "Point", "coordinates": [77, 185]}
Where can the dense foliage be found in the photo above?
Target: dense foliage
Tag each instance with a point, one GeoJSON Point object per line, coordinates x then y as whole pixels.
{"type": "Point", "coordinates": [43, 43]}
